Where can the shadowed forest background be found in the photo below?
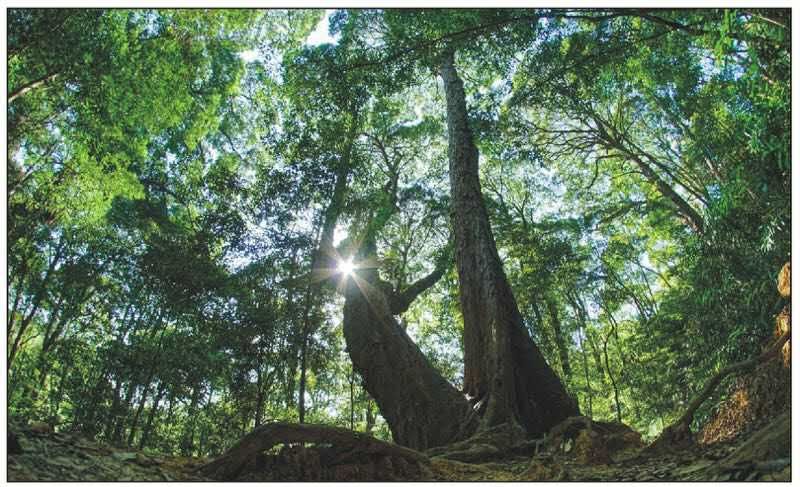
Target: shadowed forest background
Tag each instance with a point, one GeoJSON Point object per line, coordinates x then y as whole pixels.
{"type": "Point", "coordinates": [184, 185]}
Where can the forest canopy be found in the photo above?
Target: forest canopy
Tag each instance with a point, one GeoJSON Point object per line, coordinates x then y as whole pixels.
{"type": "Point", "coordinates": [223, 218]}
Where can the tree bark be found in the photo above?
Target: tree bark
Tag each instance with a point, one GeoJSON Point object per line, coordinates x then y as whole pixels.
{"type": "Point", "coordinates": [422, 409]}
{"type": "Point", "coordinates": [501, 362]}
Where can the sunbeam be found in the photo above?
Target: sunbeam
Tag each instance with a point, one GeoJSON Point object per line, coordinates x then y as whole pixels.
{"type": "Point", "coordinates": [345, 267]}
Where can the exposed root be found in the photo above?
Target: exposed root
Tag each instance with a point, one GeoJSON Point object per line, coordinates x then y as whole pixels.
{"type": "Point", "coordinates": [766, 453]}
{"type": "Point", "coordinates": [339, 454]}
{"type": "Point", "coordinates": [487, 444]}
{"type": "Point", "coordinates": [754, 399]}
{"type": "Point", "coordinates": [679, 433]}
{"type": "Point", "coordinates": [589, 441]}
{"type": "Point", "coordinates": [768, 444]}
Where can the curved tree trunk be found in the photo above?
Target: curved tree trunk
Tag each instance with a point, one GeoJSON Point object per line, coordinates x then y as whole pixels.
{"type": "Point", "coordinates": [501, 362]}
{"type": "Point", "coordinates": [422, 408]}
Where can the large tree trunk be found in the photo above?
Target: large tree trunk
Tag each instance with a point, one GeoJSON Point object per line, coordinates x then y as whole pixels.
{"type": "Point", "coordinates": [501, 362]}
{"type": "Point", "coordinates": [422, 409]}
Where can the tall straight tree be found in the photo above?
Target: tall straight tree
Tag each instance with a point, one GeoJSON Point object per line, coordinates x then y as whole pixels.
{"type": "Point", "coordinates": [503, 369]}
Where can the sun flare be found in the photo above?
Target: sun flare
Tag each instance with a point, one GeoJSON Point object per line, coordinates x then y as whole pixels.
{"type": "Point", "coordinates": [346, 267]}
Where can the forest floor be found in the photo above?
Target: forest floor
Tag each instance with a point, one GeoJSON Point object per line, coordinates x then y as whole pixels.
{"type": "Point", "coordinates": [748, 439]}
{"type": "Point", "coordinates": [697, 463]}
{"type": "Point", "coordinates": [49, 456]}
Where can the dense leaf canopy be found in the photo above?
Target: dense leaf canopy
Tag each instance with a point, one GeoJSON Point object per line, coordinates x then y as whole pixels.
{"type": "Point", "coordinates": [172, 173]}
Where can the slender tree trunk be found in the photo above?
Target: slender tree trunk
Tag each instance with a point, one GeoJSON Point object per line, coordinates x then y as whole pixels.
{"type": "Point", "coordinates": [139, 409]}
{"type": "Point", "coordinates": [352, 400]}
{"type": "Point", "coordinates": [86, 414]}
{"type": "Point", "coordinates": [148, 427]}
{"type": "Point", "coordinates": [323, 261]}
{"type": "Point", "coordinates": [580, 311]}
{"type": "Point", "coordinates": [537, 313]}
{"type": "Point", "coordinates": [58, 397]}
{"type": "Point", "coordinates": [170, 412]}
{"type": "Point", "coordinates": [369, 417]}
{"type": "Point", "coordinates": [561, 343]}
{"type": "Point", "coordinates": [31, 86]}
{"type": "Point", "coordinates": [301, 400]}
{"type": "Point", "coordinates": [160, 327]}
{"type": "Point", "coordinates": [631, 360]}
{"type": "Point", "coordinates": [12, 314]}
{"type": "Point", "coordinates": [187, 440]}
{"type": "Point", "coordinates": [116, 437]}
{"type": "Point", "coordinates": [596, 357]}
{"type": "Point", "coordinates": [40, 294]}
{"type": "Point", "coordinates": [589, 393]}
{"type": "Point", "coordinates": [288, 350]}
{"type": "Point", "coordinates": [42, 359]}
{"type": "Point", "coordinates": [202, 446]}
{"type": "Point", "coordinates": [683, 208]}
{"type": "Point", "coordinates": [112, 413]}
{"type": "Point", "coordinates": [55, 328]}
{"type": "Point", "coordinates": [259, 412]}
{"type": "Point", "coordinates": [611, 377]}
{"type": "Point", "coordinates": [501, 362]}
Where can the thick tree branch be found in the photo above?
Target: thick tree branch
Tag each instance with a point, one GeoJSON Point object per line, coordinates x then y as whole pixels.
{"type": "Point", "coordinates": [31, 86]}
{"type": "Point", "coordinates": [399, 302]}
